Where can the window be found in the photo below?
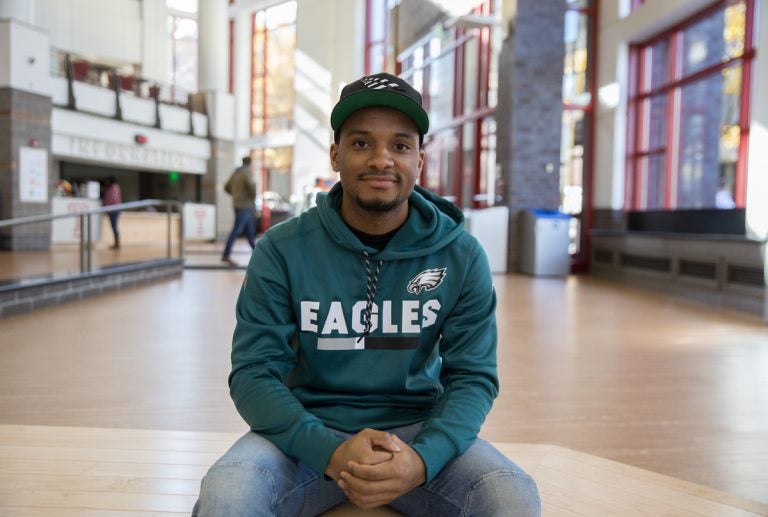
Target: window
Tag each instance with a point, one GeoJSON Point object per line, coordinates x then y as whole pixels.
{"type": "Point", "coordinates": [577, 120]}
{"type": "Point", "coordinates": [182, 51]}
{"type": "Point", "coordinates": [453, 69]}
{"type": "Point", "coordinates": [273, 45]}
{"type": "Point", "coordinates": [689, 112]}
{"type": "Point", "coordinates": [272, 68]}
{"type": "Point", "coordinates": [377, 22]}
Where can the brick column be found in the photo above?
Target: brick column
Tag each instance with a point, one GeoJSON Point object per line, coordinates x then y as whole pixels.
{"type": "Point", "coordinates": [25, 121]}
{"type": "Point", "coordinates": [529, 112]}
{"type": "Point", "coordinates": [25, 118]}
{"type": "Point", "coordinates": [219, 169]}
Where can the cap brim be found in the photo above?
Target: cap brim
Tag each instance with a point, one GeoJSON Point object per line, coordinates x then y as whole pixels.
{"type": "Point", "coordinates": [370, 98]}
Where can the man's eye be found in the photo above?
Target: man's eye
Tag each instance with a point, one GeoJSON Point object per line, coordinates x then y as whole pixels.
{"type": "Point", "coordinates": [360, 144]}
{"type": "Point", "coordinates": [402, 147]}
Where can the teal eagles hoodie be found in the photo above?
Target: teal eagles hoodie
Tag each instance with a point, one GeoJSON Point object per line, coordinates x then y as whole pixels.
{"type": "Point", "coordinates": [333, 334]}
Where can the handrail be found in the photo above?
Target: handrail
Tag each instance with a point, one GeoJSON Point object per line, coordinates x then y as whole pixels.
{"type": "Point", "coordinates": [85, 225]}
{"type": "Point", "coordinates": [101, 210]}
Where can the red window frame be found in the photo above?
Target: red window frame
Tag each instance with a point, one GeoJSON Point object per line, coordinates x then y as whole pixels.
{"type": "Point", "coordinates": [472, 172]}
{"type": "Point", "coordinates": [262, 31]}
{"type": "Point", "coordinates": [580, 261]}
{"type": "Point", "coordinates": [634, 190]}
{"type": "Point", "coordinates": [369, 67]}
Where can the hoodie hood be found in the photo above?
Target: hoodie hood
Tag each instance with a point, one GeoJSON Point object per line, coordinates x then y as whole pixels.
{"type": "Point", "coordinates": [432, 223]}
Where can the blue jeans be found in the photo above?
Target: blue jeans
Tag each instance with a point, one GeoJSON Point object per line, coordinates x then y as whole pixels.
{"type": "Point", "coordinates": [254, 478]}
{"type": "Point", "coordinates": [113, 216]}
{"type": "Point", "coordinates": [243, 221]}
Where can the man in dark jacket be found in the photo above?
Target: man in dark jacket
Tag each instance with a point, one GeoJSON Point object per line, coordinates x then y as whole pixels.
{"type": "Point", "coordinates": [243, 191]}
{"type": "Point", "coordinates": [364, 356]}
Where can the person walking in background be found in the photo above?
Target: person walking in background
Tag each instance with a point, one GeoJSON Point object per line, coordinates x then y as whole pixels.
{"type": "Point", "coordinates": [243, 191]}
{"type": "Point", "coordinates": [113, 196]}
{"type": "Point", "coordinates": [364, 355]}
{"type": "Point", "coordinates": [310, 199]}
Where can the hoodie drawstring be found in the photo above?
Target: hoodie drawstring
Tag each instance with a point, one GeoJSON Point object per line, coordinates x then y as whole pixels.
{"type": "Point", "coordinates": [371, 283]}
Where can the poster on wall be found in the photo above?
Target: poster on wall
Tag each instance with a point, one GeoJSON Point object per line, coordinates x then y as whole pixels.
{"type": "Point", "coordinates": [33, 175]}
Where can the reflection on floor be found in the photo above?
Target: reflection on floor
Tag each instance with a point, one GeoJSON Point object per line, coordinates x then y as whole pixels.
{"type": "Point", "coordinates": [631, 376]}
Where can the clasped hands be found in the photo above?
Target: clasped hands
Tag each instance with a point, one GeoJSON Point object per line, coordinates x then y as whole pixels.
{"type": "Point", "coordinates": [375, 468]}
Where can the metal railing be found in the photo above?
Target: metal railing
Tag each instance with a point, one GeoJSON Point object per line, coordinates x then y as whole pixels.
{"type": "Point", "coordinates": [86, 247]}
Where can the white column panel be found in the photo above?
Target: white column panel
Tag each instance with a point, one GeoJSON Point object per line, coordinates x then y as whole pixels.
{"type": "Point", "coordinates": [154, 40]}
{"type": "Point", "coordinates": [212, 66]}
{"type": "Point", "coordinates": [22, 10]}
{"type": "Point", "coordinates": [757, 164]}
{"type": "Point", "coordinates": [24, 57]}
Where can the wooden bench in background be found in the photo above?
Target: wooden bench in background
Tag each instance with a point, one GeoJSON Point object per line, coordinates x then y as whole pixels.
{"type": "Point", "coordinates": [88, 472]}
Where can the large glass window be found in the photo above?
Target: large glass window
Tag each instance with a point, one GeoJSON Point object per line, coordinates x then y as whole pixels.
{"type": "Point", "coordinates": [377, 34]}
{"type": "Point", "coordinates": [181, 60]}
{"type": "Point", "coordinates": [273, 46]}
{"type": "Point", "coordinates": [577, 120]}
{"type": "Point", "coordinates": [454, 70]}
{"type": "Point", "coordinates": [690, 113]}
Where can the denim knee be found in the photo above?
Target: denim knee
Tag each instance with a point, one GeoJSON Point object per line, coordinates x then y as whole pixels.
{"type": "Point", "coordinates": [504, 493]}
{"type": "Point", "coordinates": [235, 489]}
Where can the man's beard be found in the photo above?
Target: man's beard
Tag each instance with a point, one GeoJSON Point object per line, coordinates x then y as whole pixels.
{"type": "Point", "coordinates": [379, 205]}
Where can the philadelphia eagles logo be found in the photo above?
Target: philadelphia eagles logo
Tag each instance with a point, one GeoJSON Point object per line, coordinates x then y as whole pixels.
{"type": "Point", "coordinates": [428, 279]}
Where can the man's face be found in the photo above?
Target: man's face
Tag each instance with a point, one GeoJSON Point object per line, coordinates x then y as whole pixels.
{"type": "Point", "coordinates": [379, 160]}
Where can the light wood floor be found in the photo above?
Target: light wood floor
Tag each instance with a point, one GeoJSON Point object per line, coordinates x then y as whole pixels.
{"type": "Point", "coordinates": [96, 472]}
{"type": "Point", "coordinates": [623, 374]}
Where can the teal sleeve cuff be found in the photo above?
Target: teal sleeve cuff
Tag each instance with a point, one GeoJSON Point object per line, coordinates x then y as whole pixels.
{"type": "Point", "coordinates": [314, 447]}
{"type": "Point", "coordinates": [436, 450]}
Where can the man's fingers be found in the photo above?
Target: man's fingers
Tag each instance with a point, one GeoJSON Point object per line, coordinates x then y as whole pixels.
{"type": "Point", "coordinates": [386, 441]}
{"type": "Point", "coordinates": [367, 489]}
{"type": "Point", "coordinates": [379, 457]}
{"type": "Point", "coordinates": [369, 472]}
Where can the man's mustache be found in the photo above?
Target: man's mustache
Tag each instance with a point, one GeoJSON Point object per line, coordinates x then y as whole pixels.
{"type": "Point", "coordinates": [378, 175]}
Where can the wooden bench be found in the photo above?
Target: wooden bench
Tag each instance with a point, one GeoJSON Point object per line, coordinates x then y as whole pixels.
{"type": "Point", "coordinates": [88, 472]}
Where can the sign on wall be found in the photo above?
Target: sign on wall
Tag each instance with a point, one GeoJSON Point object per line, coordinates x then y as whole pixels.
{"type": "Point", "coordinates": [199, 222]}
{"type": "Point", "coordinates": [33, 175]}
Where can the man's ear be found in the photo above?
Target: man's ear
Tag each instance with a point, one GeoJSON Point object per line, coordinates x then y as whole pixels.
{"type": "Point", "coordinates": [422, 157]}
{"type": "Point", "coordinates": [334, 154]}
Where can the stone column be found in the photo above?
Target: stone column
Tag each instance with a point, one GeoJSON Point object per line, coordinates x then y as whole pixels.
{"type": "Point", "coordinates": [214, 98]}
{"type": "Point", "coordinates": [27, 179]}
{"type": "Point", "coordinates": [529, 112]}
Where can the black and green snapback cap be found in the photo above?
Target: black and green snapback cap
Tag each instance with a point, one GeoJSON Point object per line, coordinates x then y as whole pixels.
{"type": "Point", "coordinates": [380, 90]}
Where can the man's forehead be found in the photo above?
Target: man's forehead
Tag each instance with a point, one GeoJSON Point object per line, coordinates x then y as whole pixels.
{"type": "Point", "coordinates": [368, 120]}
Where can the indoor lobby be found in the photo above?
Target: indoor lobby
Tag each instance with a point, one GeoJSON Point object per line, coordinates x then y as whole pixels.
{"type": "Point", "coordinates": [610, 157]}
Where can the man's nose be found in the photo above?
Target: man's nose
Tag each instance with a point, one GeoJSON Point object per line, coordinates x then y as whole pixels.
{"type": "Point", "coordinates": [381, 158]}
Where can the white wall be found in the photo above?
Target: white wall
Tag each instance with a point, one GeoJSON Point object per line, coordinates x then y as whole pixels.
{"type": "Point", "coordinates": [97, 139]}
{"type": "Point", "coordinates": [107, 30]}
{"type": "Point", "coordinates": [154, 40]}
{"type": "Point", "coordinates": [24, 57]}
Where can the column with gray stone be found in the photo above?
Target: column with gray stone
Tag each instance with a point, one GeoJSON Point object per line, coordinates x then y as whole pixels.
{"type": "Point", "coordinates": [529, 112]}
{"type": "Point", "coordinates": [27, 179]}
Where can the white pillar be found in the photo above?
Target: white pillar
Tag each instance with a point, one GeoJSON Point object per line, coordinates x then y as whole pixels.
{"type": "Point", "coordinates": [757, 161]}
{"type": "Point", "coordinates": [22, 10]}
{"type": "Point", "coordinates": [213, 40]}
